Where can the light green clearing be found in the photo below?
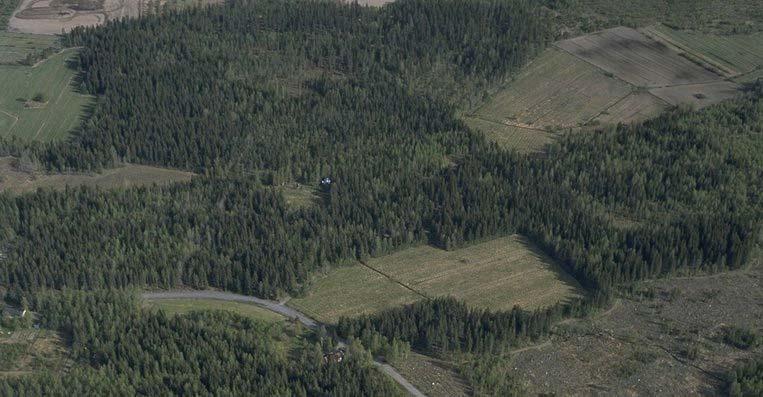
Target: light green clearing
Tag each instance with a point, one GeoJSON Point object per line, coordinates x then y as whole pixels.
{"type": "Point", "coordinates": [181, 306]}
{"type": "Point", "coordinates": [48, 121]}
{"type": "Point", "coordinates": [14, 47]}
{"type": "Point", "coordinates": [496, 275]}
{"type": "Point", "coordinates": [523, 140]}
{"type": "Point", "coordinates": [351, 291]}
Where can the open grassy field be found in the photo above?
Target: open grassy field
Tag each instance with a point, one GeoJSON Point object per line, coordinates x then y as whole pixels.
{"type": "Point", "coordinates": [523, 140]}
{"type": "Point", "coordinates": [14, 47]}
{"type": "Point", "coordinates": [17, 181]}
{"type": "Point", "coordinates": [50, 117]}
{"type": "Point", "coordinates": [180, 306]}
{"type": "Point", "coordinates": [351, 291]}
{"type": "Point", "coordinates": [497, 274]}
{"type": "Point", "coordinates": [555, 90]}
{"type": "Point", "coordinates": [637, 106]}
{"type": "Point", "coordinates": [750, 77]}
{"type": "Point", "coordinates": [732, 54]}
{"type": "Point", "coordinates": [635, 58]}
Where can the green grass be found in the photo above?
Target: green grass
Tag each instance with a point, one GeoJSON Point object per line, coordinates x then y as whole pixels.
{"type": "Point", "coordinates": [523, 140]}
{"type": "Point", "coordinates": [62, 108]}
{"type": "Point", "coordinates": [734, 54]}
{"type": "Point", "coordinates": [14, 47]}
{"type": "Point", "coordinates": [496, 275]}
{"type": "Point", "coordinates": [299, 196]}
{"type": "Point", "coordinates": [351, 291]}
{"type": "Point", "coordinates": [180, 306]}
{"type": "Point", "coordinates": [555, 90]}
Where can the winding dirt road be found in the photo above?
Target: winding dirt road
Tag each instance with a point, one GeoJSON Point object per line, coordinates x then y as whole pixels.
{"type": "Point", "coordinates": [279, 308]}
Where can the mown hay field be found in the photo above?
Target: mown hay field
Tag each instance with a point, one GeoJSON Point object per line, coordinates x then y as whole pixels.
{"type": "Point", "coordinates": [498, 274]}
{"type": "Point", "coordinates": [59, 109]}
{"type": "Point", "coordinates": [732, 54]}
{"type": "Point", "coordinates": [555, 90]}
{"type": "Point", "coordinates": [351, 291]}
{"type": "Point", "coordinates": [635, 58]}
{"type": "Point", "coordinates": [523, 140]}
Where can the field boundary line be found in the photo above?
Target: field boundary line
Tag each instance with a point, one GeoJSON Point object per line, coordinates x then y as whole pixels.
{"type": "Point", "coordinates": [390, 278]}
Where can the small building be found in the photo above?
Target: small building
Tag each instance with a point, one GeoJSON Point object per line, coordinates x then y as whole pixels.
{"type": "Point", "coordinates": [326, 181]}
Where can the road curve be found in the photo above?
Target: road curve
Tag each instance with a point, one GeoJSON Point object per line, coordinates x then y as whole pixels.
{"type": "Point", "coordinates": [277, 308]}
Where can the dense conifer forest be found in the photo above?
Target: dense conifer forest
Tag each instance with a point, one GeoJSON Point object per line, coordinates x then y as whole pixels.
{"type": "Point", "coordinates": [252, 94]}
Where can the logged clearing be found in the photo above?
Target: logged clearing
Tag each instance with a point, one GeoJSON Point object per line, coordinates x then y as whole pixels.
{"type": "Point", "coordinates": [15, 180]}
{"type": "Point", "coordinates": [699, 95]}
{"type": "Point", "coordinates": [25, 351]}
{"type": "Point", "coordinates": [523, 140]}
{"type": "Point", "coordinates": [299, 196]}
{"type": "Point", "coordinates": [435, 378]}
{"type": "Point", "coordinates": [635, 58]}
{"type": "Point", "coordinates": [731, 55]}
{"type": "Point", "coordinates": [181, 306]}
{"type": "Point", "coordinates": [636, 107]}
{"type": "Point", "coordinates": [497, 275]}
{"type": "Point", "coordinates": [351, 291]}
{"type": "Point", "coordinates": [52, 115]}
{"type": "Point", "coordinates": [555, 90]}
{"type": "Point", "coordinates": [14, 47]}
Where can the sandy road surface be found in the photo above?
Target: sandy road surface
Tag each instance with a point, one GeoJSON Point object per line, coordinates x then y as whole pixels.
{"type": "Point", "coordinates": [277, 308]}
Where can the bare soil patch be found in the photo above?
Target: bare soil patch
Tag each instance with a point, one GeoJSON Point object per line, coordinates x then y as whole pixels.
{"type": "Point", "coordinates": [635, 58]}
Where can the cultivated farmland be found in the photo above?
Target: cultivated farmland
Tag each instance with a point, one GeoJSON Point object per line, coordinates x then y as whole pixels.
{"type": "Point", "coordinates": [729, 54]}
{"type": "Point", "coordinates": [15, 179]}
{"type": "Point", "coordinates": [555, 90]}
{"type": "Point", "coordinates": [40, 102]}
{"type": "Point", "coordinates": [633, 57]}
{"type": "Point", "coordinates": [351, 291]}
